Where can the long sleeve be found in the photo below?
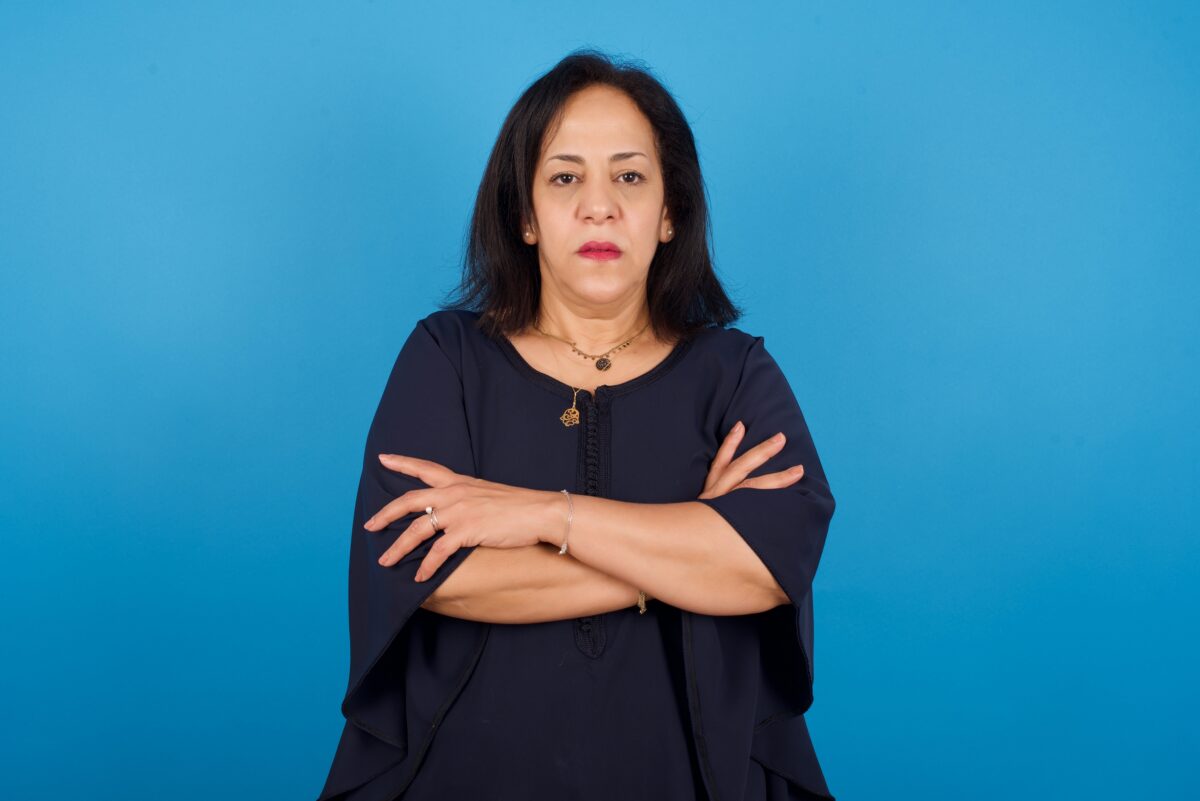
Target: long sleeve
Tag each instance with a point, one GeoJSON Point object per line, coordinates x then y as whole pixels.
{"type": "Point", "coordinates": [402, 682]}
{"type": "Point", "coordinates": [785, 527]}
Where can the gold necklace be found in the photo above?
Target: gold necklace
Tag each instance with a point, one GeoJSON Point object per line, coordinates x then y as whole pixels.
{"type": "Point", "coordinates": [602, 360]}
{"type": "Point", "coordinates": [570, 417]}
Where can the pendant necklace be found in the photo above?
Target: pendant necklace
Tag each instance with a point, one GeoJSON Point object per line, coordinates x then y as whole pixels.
{"type": "Point", "coordinates": [570, 417]}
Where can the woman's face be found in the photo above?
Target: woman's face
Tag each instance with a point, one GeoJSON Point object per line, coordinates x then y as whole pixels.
{"type": "Point", "coordinates": [598, 180]}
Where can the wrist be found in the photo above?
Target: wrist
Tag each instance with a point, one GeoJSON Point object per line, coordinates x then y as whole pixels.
{"type": "Point", "coordinates": [554, 527]}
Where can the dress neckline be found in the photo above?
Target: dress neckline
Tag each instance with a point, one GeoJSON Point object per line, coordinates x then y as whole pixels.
{"type": "Point", "coordinates": [603, 390]}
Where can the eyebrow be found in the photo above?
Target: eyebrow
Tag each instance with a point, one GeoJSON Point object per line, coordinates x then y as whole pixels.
{"type": "Point", "coordinates": [614, 157]}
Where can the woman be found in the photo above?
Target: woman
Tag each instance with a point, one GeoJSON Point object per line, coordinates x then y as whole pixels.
{"type": "Point", "coordinates": [562, 582]}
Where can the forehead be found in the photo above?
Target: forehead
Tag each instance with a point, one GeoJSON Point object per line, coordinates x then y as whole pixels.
{"type": "Point", "coordinates": [598, 121]}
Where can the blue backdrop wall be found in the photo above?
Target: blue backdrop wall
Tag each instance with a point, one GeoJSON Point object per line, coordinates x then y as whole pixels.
{"type": "Point", "coordinates": [968, 232]}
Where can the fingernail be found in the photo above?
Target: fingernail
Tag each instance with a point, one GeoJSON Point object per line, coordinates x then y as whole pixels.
{"type": "Point", "coordinates": [384, 456]}
{"type": "Point", "coordinates": [383, 561]}
{"type": "Point", "coordinates": [419, 577]}
{"type": "Point", "coordinates": [369, 523]}
{"type": "Point", "coordinates": [778, 437]}
{"type": "Point", "coordinates": [738, 426]}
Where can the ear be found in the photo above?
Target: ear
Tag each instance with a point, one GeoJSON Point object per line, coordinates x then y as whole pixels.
{"type": "Point", "coordinates": [528, 233]}
{"type": "Point", "coordinates": [666, 229]}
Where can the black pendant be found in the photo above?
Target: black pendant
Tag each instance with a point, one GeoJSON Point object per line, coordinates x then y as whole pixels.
{"type": "Point", "coordinates": [603, 364]}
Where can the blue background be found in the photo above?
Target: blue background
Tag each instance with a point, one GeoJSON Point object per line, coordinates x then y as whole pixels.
{"type": "Point", "coordinates": [968, 233]}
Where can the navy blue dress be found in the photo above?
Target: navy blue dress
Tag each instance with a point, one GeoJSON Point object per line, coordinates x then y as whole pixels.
{"type": "Point", "coordinates": [666, 705]}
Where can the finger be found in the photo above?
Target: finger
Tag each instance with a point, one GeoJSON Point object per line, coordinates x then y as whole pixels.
{"type": "Point", "coordinates": [748, 462]}
{"type": "Point", "coordinates": [729, 447]}
{"type": "Point", "coordinates": [432, 473]}
{"type": "Point", "coordinates": [419, 530]}
{"type": "Point", "coordinates": [439, 552]}
{"type": "Point", "coordinates": [777, 480]}
{"type": "Point", "coordinates": [411, 501]}
{"type": "Point", "coordinates": [725, 453]}
{"type": "Point", "coordinates": [783, 478]}
{"type": "Point", "coordinates": [757, 456]}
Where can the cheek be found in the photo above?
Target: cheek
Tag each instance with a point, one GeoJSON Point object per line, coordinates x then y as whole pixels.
{"type": "Point", "coordinates": [558, 228]}
{"type": "Point", "coordinates": [647, 243]}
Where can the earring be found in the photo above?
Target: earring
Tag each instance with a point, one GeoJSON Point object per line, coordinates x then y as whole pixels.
{"type": "Point", "coordinates": [670, 232]}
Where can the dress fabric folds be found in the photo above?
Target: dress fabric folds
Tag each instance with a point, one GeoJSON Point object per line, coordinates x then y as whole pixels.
{"type": "Point", "coordinates": [666, 705]}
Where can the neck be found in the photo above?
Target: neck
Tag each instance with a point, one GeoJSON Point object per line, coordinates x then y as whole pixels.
{"type": "Point", "coordinates": [594, 330]}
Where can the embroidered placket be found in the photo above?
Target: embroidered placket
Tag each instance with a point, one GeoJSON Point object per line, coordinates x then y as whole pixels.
{"type": "Point", "coordinates": [590, 635]}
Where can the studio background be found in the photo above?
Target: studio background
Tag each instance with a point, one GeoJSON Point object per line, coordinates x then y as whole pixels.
{"type": "Point", "coordinates": [968, 233]}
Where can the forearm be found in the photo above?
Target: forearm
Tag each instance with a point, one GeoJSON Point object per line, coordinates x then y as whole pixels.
{"type": "Point", "coordinates": [684, 553]}
{"type": "Point", "coordinates": [533, 584]}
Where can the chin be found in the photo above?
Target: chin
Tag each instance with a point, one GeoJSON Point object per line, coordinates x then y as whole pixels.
{"type": "Point", "coordinates": [602, 291]}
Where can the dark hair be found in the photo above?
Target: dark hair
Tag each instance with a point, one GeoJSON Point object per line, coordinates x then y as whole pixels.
{"type": "Point", "coordinates": [500, 277]}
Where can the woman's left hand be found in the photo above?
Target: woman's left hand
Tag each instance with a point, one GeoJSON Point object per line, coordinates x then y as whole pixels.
{"type": "Point", "coordinates": [470, 511]}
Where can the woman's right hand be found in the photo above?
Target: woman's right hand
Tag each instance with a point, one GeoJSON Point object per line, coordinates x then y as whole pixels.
{"type": "Point", "coordinates": [725, 475]}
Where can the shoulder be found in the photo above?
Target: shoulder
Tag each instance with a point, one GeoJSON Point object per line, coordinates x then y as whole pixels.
{"type": "Point", "coordinates": [451, 327]}
{"type": "Point", "coordinates": [729, 346]}
{"type": "Point", "coordinates": [738, 362]}
{"type": "Point", "coordinates": [454, 332]}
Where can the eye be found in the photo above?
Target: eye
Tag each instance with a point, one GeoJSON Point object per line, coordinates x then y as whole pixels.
{"type": "Point", "coordinates": [640, 178]}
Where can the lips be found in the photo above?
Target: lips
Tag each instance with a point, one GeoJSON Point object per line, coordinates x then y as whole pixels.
{"type": "Point", "coordinates": [599, 247]}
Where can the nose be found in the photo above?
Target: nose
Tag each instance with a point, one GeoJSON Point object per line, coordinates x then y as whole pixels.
{"type": "Point", "coordinates": [598, 201]}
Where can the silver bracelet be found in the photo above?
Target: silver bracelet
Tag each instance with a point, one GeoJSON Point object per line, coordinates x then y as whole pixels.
{"type": "Point", "coordinates": [570, 517]}
{"type": "Point", "coordinates": [641, 599]}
